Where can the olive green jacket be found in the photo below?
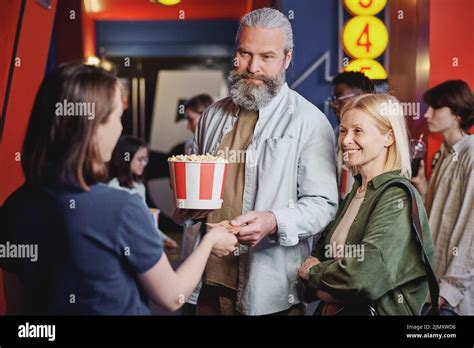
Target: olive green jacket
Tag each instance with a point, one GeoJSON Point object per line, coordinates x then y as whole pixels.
{"type": "Point", "coordinates": [386, 267]}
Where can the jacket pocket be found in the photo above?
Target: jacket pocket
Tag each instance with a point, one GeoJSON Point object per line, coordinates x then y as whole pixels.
{"type": "Point", "coordinates": [278, 167]}
{"type": "Point", "coordinates": [277, 151]}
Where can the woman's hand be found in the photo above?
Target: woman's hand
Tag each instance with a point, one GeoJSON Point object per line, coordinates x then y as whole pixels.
{"type": "Point", "coordinates": [223, 241]}
{"type": "Point", "coordinates": [169, 288]}
{"type": "Point", "coordinates": [442, 302]}
{"type": "Point", "coordinates": [419, 181]}
{"type": "Point", "coordinates": [303, 271]}
{"type": "Point", "coordinates": [325, 296]}
{"type": "Point", "coordinates": [170, 243]}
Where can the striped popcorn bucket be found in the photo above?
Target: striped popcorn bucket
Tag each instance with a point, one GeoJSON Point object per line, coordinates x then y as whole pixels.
{"type": "Point", "coordinates": [198, 185]}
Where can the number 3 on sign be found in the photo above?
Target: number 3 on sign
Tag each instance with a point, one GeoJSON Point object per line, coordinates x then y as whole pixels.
{"type": "Point", "coordinates": [364, 7]}
{"type": "Point", "coordinates": [364, 37]}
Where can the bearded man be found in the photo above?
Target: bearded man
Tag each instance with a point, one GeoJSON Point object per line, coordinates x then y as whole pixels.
{"type": "Point", "coordinates": [281, 185]}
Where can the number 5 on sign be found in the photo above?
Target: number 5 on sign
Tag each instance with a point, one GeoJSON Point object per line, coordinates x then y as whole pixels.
{"type": "Point", "coordinates": [371, 68]}
{"type": "Point", "coordinates": [364, 37]}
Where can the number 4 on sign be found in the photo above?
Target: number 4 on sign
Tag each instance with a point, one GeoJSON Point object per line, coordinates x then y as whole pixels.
{"type": "Point", "coordinates": [364, 34]}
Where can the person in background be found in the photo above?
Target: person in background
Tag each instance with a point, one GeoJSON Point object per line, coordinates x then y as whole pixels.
{"type": "Point", "coordinates": [363, 255]}
{"type": "Point", "coordinates": [347, 85]}
{"type": "Point", "coordinates": [449, 194]}
{"type": "Point", "coordinates": [126, 167]}
{"type": "Point", "coordinates": [99, 253]}
{"type": "Point", "coordinates": [193, 111]}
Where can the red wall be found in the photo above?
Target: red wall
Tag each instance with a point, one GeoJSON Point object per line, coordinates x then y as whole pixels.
{"type": "Point", "coordinates": [191, 9]}
{"type": "Point", "coordinates": [33, 51]}
{"type": "Point", "coordinates": [451, 35]}
{"type": "Point", "coordinates": [8, 24]}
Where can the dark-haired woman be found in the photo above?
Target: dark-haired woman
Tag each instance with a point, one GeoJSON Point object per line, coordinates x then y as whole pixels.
{"type": "Point", "coordinates": [127, 166]}
{"type": "Point", "coordinates": [98, 250]}
{"type": "Point", "coordinates": [449, 194]}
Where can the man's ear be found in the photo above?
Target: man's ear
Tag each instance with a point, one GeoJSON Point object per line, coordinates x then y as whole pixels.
{"type": "Point", "coordinates": [288, 58]}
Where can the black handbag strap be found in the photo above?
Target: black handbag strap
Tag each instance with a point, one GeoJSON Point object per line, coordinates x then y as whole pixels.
{"type": "Point", "coordinates": [418, 233]}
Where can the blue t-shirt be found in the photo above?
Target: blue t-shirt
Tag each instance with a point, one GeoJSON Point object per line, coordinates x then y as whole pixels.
{"type": "Point", "coordinates": [90, 248]}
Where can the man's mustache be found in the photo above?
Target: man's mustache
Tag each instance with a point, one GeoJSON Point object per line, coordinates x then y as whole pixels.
{"type": "Point", "coordinates": [246, 75]}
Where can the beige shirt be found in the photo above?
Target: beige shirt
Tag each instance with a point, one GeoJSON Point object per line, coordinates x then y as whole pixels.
{"type": "Point", "coordinates": [449, 204]}
{"type": "Point", "coordinates": [225, 270]}
{"type": "Point", "coordinates": [340, 233]}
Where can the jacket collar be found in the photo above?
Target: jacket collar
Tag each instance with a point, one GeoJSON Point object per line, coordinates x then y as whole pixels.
{"type": "Point", "coordinates": [379, 180]}
{"type": "Point", "coordinates": [460, 145]}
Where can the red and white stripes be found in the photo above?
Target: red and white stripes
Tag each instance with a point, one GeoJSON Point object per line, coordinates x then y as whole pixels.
{"type": "Point", "coordinates": [198, 185]}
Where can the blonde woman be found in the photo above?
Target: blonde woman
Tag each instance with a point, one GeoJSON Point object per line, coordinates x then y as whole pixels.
{"type": "Point", "coordinates": [368, 255]}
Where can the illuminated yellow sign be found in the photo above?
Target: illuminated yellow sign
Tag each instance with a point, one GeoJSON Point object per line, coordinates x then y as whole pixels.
{"type": "Point", "coordinates": [364, 7]}
{"type": "Point", "coordinates": [364, 37]}
{"type": "Point", "coordinates": [167, 2]}
{"type": "Point", "coordinates": [371, 68]}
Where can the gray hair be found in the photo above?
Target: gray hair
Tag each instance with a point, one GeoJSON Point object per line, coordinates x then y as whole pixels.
{"type": "Point", "coordinates": [268, 18]}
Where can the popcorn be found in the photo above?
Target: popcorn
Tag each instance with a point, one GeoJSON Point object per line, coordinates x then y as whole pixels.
{"type": "Point", "coordinates": [198, 181]}
{"type": "Point", "coordinates": [207, 158]}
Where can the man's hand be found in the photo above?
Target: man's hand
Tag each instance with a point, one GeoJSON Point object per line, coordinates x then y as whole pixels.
{"type": "Point", "coordinates": [303, 271]}
{"type": "Point", "coordinates": [255, 226]}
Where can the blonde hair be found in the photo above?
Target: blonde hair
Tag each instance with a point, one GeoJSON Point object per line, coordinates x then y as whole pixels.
{"type": "Point", "coordinates": [387, 112]}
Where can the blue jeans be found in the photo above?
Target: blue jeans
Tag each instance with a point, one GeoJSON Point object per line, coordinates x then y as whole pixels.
{"type": "Point", "coordinates": [443, 311]}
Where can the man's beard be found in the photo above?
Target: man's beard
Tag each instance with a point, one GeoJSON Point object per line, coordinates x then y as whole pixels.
{"type": "Point", "coordinates": [251, 96]}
